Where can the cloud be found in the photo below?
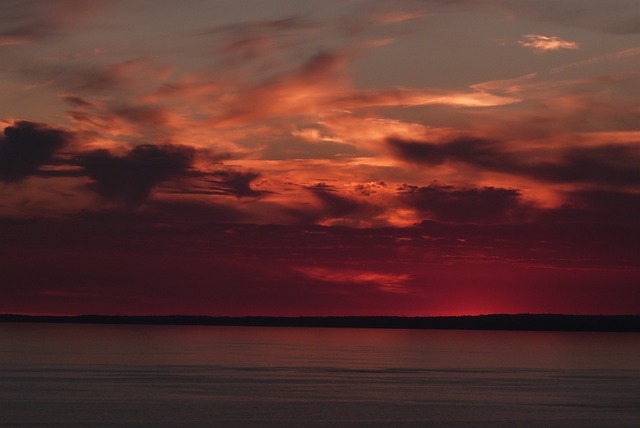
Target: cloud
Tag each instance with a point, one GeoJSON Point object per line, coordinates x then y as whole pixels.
{"type": "Point", "coordinates": [448, 204]}
{"type": "Point", "coordinates": [26, 146]}
{"type": "Point", "coordinates": [315, 135]}
{"type": "Point", "coordinates": [27, 21]}
{"type": "Point", "coordinates": [130, 178]}
{"type": "Point", "coordinates": [353, 210]}
{"type": "Point", "coordinates": [252, 40]}
{"type": "Point", "coordinates": [546, 43]}
{"type": "Point", "coordinates": [481, 152]}
{"type": "Point", "coordinates": [320, 86]}
{"type": "Point", "coordinates": [390, 282]}
{"type": "Point", "coordinates": [370, 188]}
{"type": "Point", "coordinates": [303, 91]}
{"type": "Point", "coordinates": [597, 207]}
{"type": "Point", "coordinates": [606, 164]}
{"type": "Point", "coordinates": [335, 205]}
{"type": "Point", "coordinates": [114, 122]}
{"type": "Point", "coordinates": [322, 187]}
{"type": "Point", "coordinates": [382, 20]}
{"type": "Point", "coordinates": [123, 78]}
{"type": "Point", "coordinates": [613, 164]}
{"type": "Point", "coordinates": [235, 183]}
{"type": "Point", "coordinates": [412, 97]}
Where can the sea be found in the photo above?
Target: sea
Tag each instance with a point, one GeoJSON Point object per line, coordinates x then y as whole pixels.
{"type": "Point", "coordinates": [70, 375]}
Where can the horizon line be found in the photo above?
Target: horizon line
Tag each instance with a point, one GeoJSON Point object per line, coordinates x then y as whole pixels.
{"type": "Point", "coordinates": [507, 322]}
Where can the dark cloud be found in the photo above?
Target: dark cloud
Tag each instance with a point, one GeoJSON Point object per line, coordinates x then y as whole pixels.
{"type": "Point", "coordinates": [222, 182]}
{"type": "Point", "coordinates": [343, 209]}
{"type": "Point", "coordinates": [26, 146]}
{"type": "Point", "coordinates": [597, 207]}
{"type": "Point", "coordinates": [368, 189]}
{"type": "Point", "coordinates": [227, 182]}
{"type": "Point", "coordinates": [335, 205]}
{"type": "Point", "coordinates": [612, 164]}
{"type": "Point", "coordinates": [477, 151]}
{"type": "Point", "coordinates": [448, 204]}
{"type": "Point", "coordinates": [340, 209]}
{"type": "Point", "coordinates": [322, 186]}
{"type": "Point", "coordinates": [131, 178]}
{"type": "Point", "coordinates": [418, 152]}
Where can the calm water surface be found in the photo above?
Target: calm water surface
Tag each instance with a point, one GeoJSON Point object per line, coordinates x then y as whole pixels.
{"type": "Point", "coordinates": [166, 376]}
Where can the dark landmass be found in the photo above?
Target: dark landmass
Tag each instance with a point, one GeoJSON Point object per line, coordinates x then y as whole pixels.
{"type": "Point", "coordinates": [520, 322]}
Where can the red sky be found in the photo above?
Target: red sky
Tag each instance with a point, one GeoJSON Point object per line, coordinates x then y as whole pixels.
{"type": "Point", "coordinates": [365, 157]}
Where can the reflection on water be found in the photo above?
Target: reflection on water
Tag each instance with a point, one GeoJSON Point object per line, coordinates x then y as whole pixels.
{"type": "Point", "coordinates": [130, 376]}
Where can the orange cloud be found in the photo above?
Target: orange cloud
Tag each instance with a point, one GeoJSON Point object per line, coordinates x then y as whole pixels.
{"type": "Point", "coordinates": [411, 97]}
{"type": "Point", "coordinates": [255, 114]}
{"type": "Point", "coordinates": [546, 43]}
{"type": "Point", "coordinates": [393, 283]}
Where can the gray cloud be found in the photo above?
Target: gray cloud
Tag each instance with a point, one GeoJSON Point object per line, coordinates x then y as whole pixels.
{"type": "Point", "coordinates": [596, 207]}
{"type": "Point", "coordinates": [25, 146]}
{"type": "Point", "coordinates": [130, 178]}
{"type": "Point", "coordinates": [448, 204]}
{"type": "Point", "coordinates": [236, 183]}
{"type": "Point", "coordinates": [612, 164]}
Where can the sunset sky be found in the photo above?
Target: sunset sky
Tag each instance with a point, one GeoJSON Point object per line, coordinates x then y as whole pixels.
{"type": "Point", "coordinates": [337, 157]}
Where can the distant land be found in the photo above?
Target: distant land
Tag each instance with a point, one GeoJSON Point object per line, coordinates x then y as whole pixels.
{"type": "Point", "coordinates": [519, 322]}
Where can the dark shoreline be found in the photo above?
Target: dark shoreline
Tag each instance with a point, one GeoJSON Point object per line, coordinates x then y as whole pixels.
{"type": "Point", "coordinates": [519, 322]}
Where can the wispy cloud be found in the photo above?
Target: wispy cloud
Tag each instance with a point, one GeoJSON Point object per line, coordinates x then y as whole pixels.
{"type": "Point", "coordinates": [394, 283]}
{"type": "Point", "coordinates": [543, 44]}
{"type": "Point", "coordinates": [246, 42]}
{"type": "Point", "coordinates": [28, 21]}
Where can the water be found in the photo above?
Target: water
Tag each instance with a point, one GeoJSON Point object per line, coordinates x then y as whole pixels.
{"type": "Point", "coordinates": [166, 376]}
